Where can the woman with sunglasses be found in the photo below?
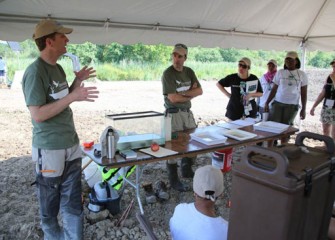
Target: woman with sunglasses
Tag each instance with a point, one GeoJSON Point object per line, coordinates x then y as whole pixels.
{"type": "Point", "coordinates": [290, 84]}
{"type": "Point", "coordinates": [327, 94]}
{"type": "Point", "coordinates": [244, 88]}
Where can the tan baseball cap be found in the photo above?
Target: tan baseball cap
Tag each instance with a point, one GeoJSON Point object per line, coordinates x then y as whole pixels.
{"type": "Point", "coordinates": [292, 54]}
{"type": "Point", "coordinates": [246, 61]}
{"type": "Point", "coordinates": [274, 62]}
{"type": "Point", "coordinates": [208, 182]}
{"type": "Point", "coordinates": [46, 27]}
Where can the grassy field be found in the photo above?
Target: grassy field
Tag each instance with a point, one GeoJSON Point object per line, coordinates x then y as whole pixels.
{"type": "Point", "coordinates": [131, 71]}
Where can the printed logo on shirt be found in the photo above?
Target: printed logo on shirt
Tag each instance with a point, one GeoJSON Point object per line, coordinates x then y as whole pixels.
{"type": "Point", "coordinates": [183, 86]}
{"type": "Point", "coordinates": [58, 90]}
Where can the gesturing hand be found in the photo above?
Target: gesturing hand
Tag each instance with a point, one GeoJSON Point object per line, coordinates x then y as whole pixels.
{"type": "Point", "coordinates": [85, 73]}
{"type": "Point", "coordinates": [85, 93]}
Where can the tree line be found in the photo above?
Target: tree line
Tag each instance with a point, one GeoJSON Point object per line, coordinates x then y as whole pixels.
{"type": "Point", "coordinates": [161, 54]}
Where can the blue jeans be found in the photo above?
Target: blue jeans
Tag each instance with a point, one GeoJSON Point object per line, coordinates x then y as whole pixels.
{"type": "Point", "coordinates": [62, 194]}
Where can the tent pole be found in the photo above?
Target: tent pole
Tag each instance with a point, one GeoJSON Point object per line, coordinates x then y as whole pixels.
{"type": "Point", "coordinates": [303, 67]}
{"type": "Point", "coordinates": [303, 55]}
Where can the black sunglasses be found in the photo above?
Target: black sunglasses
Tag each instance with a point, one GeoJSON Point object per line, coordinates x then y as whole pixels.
{"type": "Point", "coordinates": [181, 45]}
{"type": "Point", "coordinates": [243, 66]}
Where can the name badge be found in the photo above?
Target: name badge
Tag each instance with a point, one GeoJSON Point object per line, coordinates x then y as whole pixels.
{"type": "Point", "coordinates": [329, 103]}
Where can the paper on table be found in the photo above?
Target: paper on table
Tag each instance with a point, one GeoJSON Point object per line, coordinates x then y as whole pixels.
{"type": "Point", "coordinates": [270, 126]}
{"type": "Point", "coordinates": [239, 134]}
{"type": "Point", "coordinates": [209, 138]}
{"type": "Point", "coordinates": [162, 152]}
{"type": "Point", "coordinates": [228, 125]}
{"type": "Point", "coordinates": [244, 122]}
{"type": "Point", "coordinates": [238, 123]}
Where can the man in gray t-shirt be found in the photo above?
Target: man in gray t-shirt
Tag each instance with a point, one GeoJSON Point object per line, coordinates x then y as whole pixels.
{"type": "Point", "coordinates": [180, 86]}
{"type": "Point", "coordinates": [56, 147]}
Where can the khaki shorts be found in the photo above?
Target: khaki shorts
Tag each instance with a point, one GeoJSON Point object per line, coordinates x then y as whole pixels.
{"type": "Point", "coordinates": [182, 120]}
{"type": "Point", "coordinates": [54, 160]}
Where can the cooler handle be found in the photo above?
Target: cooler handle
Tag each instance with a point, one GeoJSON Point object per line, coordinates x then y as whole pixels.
{"type": "Point", "coordinates": [326, 139]}
{"type": "Point", "coordinates": [279, 173]}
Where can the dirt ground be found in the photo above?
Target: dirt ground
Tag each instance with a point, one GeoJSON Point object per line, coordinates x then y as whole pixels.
{"type": "Point", "coordinates": [19, 210]}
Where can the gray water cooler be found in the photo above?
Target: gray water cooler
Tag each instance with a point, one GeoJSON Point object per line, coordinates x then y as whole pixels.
{"type": "Point", "coordinates": [283, 193]}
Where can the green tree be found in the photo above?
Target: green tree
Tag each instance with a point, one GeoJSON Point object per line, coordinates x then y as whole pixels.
{"type": "Point", "coordinates": [206, 54]}
{"type": "Point", "coordinates": [321, 59]}
{"type": "Point", "coordinates": [29, 49]}
{"type": "Point", "coordinates": [86, 52]}
{"type": "Point", "coordinates": [113, 52]}
{"type": "Point", "coordinates": [230, 54]}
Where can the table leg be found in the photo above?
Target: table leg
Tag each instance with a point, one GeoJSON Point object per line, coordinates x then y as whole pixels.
{"type": "Point", "coordinates": [138, 176]}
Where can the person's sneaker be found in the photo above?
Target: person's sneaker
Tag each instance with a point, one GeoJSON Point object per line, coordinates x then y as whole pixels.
{"type": "Point", "coordinates": [161, 190]}
{"type": "Point", "coordinates": [150, 196]}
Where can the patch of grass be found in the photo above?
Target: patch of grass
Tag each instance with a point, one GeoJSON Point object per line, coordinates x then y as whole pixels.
{"type": "Point", "coordinates": [133, 71]}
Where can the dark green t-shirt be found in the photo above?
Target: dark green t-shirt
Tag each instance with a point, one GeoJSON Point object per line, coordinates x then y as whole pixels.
{"type": "Point", "coordinates": [42, 84]}
{"type": "Point", "coordinates": [174, 82]}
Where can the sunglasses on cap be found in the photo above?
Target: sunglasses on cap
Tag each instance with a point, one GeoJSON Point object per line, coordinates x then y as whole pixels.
{"type": "Point", "coordinates": [242, 66]}
{"type": "Point", "coordinates": [181, 45]}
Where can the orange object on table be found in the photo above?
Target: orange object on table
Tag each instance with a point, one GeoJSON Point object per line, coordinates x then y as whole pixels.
{"type": "Point", "coordinates": [88, 144]}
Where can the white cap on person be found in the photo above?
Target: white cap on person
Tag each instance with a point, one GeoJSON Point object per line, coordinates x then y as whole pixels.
{"type": "Point", "coordinates": [208, 182]}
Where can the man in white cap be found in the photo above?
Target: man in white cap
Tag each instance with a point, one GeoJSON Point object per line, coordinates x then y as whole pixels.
{"type": "Point", "coordinates": [198, 220]}
{"type": "Point", "coordinates": [55, 143]}
{"type": "Point", "coordinates": [289, 89]}
{"type": "Point", "coordinates": [180, 86]}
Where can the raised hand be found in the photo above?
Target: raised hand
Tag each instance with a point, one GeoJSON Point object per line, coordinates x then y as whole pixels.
{"type": "Point", "coordinates": [85, 73]}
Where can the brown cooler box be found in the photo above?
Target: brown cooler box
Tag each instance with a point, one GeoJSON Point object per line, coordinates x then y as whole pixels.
{"type": "Point", "coordinates": [284, 193]}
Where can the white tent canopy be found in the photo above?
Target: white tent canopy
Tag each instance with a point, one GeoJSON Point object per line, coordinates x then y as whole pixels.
{"type": "Point", "coordinates": [253, 24]}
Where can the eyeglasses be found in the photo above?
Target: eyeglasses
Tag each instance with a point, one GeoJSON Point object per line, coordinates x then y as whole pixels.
{"type": "Point", "coordinates": [181, 45]}
{"type": "Point", "coordinates": [242, 66]}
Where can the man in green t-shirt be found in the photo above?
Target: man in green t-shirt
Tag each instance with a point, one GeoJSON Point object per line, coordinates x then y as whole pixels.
{"type": "Point", "coordinates": [180, 86]}
{"type": "Point", "coordinates": [55, 143]}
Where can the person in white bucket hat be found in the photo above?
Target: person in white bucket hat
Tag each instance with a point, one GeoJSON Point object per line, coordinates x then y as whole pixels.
{"type": "Point", "coordinates": [198, 220]}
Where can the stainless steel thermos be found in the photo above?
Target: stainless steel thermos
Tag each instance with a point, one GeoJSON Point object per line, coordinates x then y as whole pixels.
{"type": "Point", "coordinates": [110, 144]}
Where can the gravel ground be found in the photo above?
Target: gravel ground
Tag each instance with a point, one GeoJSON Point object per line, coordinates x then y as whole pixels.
{"type": "Point", "coordinates": [19, 209]}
